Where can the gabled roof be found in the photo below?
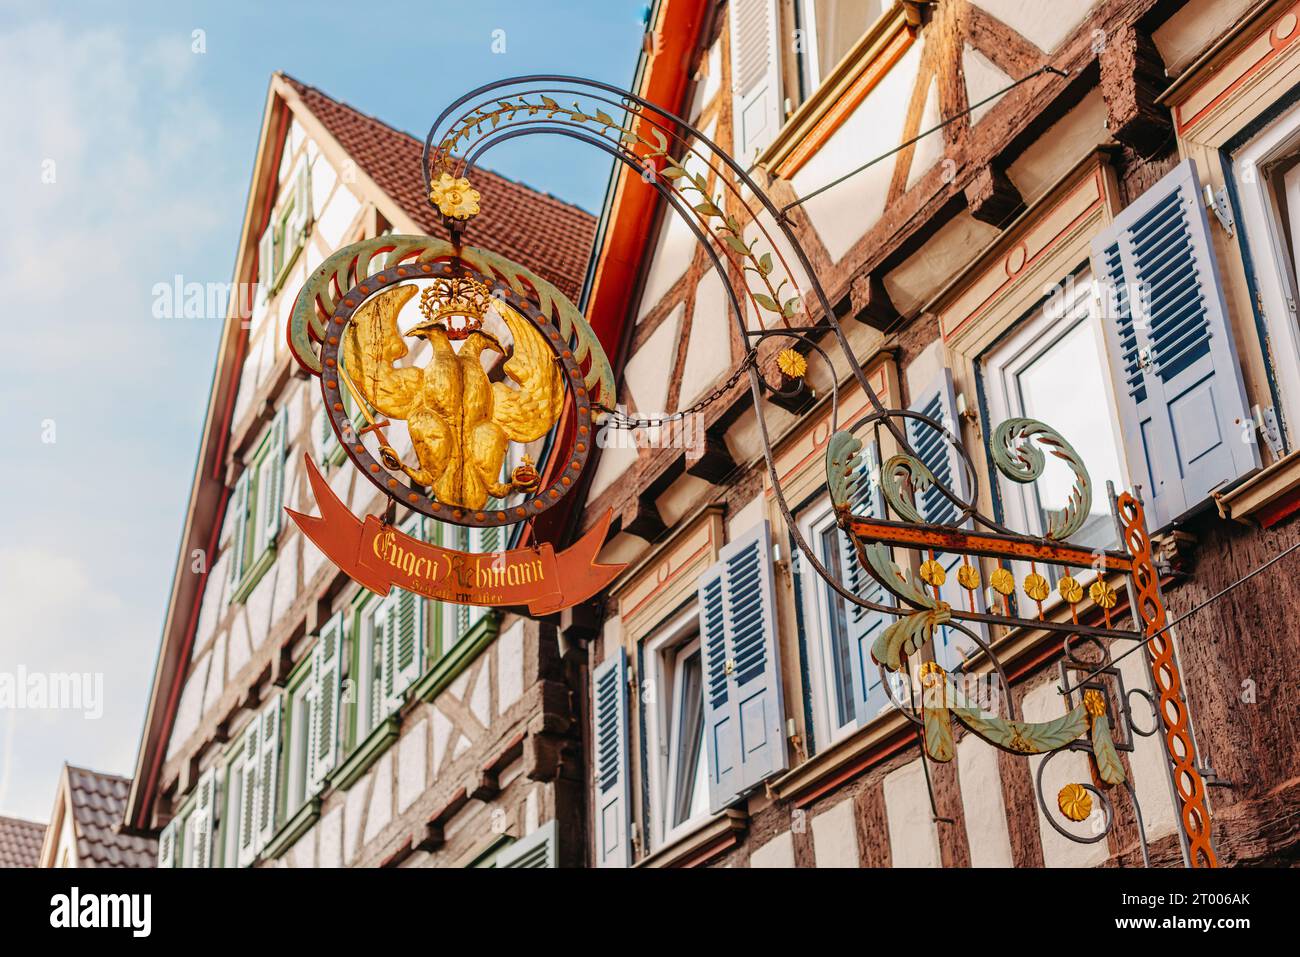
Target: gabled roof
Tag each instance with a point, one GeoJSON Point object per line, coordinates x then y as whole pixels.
{"type": "Point", "coordinates": [20, 842]}
{"type": "Point", "coordinates": [539, 231]}
{"type": "Point", "coordinates": [95, 803]}
{"type": "Point", "coordinates": [546, 234]}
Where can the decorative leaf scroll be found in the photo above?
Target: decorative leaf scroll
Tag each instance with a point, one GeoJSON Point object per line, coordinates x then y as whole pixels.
{"type": "Point", "coordinates": [1021, 737]}
{"type": "Point", "coordinates": [710, 208]}
{"type": "Point", "coordinates": [843, 459]}
{"type": "Point", "coordinates": [1020, 460]}
{"type": "Point", "coordinates": [900, 469]}
{"type": "Point", "coordinates": [1104, 755]}
{"type": "Point", "coordinates": [353, 264]}
{"type": "Point", "coordinates": [908, 635]}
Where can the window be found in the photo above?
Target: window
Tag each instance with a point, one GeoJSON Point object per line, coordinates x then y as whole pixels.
{"type": "Point", "coordinates": [300, 725]}
{"type": "Point", "coordinates": [847, 689]}
{"type": "Point", "coordinates": [256, 506]}
{"type": "Point", "coordinates": [678, 769]}
{"type": "Point", "coordinates": [286, 233]}
{"type": "Point", "coordinates": [390, 651]}
{"type": "Point", "coordinates": [826, 31]}
{"type": "Point", "coordinates": [1062, 341]}
{"type": "Point", "coordinates": [250, 811]}
{"type": "Point", "coordinates": [1267, 178]}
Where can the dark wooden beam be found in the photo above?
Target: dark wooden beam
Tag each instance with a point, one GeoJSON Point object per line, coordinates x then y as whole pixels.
{"type": "Point", "coordinates": [711, 461]}
{"type": "Point", "coordinates": [1132, 77]}
{"type": "Point", "coordinates": [992, 198]}
{"type": "Point", "coordinates": [869, 302]}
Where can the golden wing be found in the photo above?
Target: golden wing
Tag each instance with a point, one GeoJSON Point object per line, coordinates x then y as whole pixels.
{"type": "Point", "coordinates": [371, 346]}
{"type": "Point", "coordinates": [527, 413]}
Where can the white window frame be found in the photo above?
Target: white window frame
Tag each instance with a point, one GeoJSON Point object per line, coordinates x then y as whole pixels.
{"type": "Point", "coordinates": [1275, 265]}
{"type": "Point", "coordinates": [813, 521]}
{"type": "Point", "coordinates": [367, 654]}
{"type": "Point", "coordinates": [1026, 342]}
{"type": "Point", "coordinates": [661, 708]}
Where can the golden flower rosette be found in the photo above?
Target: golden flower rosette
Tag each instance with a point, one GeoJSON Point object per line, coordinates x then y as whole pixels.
{"type": "Point", "coordinates": [454, 197]}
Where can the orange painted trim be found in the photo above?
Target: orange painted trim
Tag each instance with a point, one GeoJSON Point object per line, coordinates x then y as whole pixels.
{"type": "Point", "coordinates": [1276, 42]}
{"type": "Point", "coordinates": [671, 578]}
{"type": "Point", "coordinates": [665, 82]}
{"type": "Point", "coordinates": [872, 73]}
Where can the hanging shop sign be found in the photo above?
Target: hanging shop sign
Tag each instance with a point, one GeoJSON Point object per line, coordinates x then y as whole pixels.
{"type": "Point", "coordinates": [464, 361]}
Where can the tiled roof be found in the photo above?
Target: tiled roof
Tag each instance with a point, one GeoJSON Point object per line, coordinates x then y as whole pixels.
{"type": "Point", "coordinates": [549, 236]}
{"type": "Point", "coordinates": [97, 804]}
{"type": "Point", "coordinates": [20, 842]}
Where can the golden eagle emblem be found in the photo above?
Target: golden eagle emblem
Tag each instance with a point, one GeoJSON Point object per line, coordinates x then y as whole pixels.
{"type": "Point", "coordinates": [461, 423]}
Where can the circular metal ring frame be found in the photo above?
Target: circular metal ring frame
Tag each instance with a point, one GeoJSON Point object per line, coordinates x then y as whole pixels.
{"type": "Point", "coordinates": [415, 497]}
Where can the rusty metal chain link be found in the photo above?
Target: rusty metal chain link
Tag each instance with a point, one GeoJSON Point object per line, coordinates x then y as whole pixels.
{"type": "Point", "coordinates": [618, 419]}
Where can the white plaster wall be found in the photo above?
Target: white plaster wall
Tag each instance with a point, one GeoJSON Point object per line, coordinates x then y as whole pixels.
{"type": "Point", "coordinates": [1065, 143]}
{"type": "Point", "coordinates": [983, 79]}
{"type": "Point", "coordinates": [843, 214]}
{"type": "Point", "coordinates": [647, 371]}
{"type": "Point", "coordinates": [1043, 704]}
{"type": "Point", "coordinates": [1148, 759]}
{"type": "Point", "coordinates": [1186, 34]}
{"type": "Point", "coordinates": [913, 840]}
{"type": "Point", "coordinates": [778, 852]}
{"type": "Point", "coordinates": [835, 836]}
{"type": "Point", "coordinates": [981, 796]}
{"type": "Point", "coordinates": [708, 354]}
{"type": "Point", "coordinates": [929, 150]}
{"type": "Point", "coordinates": [1031, 18]}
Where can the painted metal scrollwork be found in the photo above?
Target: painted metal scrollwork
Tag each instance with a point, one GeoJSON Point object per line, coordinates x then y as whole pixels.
{"type": "Point", "coordinates": [1020, 460]}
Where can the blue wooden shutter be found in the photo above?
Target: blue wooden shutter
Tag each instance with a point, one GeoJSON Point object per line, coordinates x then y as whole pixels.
{"type": "Point", "coordinates": [938, 401]}
{"type": "Point", "coordinates": [758, 103]}
{"type": "Point", "coordinates": [869, 694]}
{"type": "Point", "coordinates": [1181, 398]}
{"type": "Point", "coordinates": [609, 716]}
{"type": "Point", "coordinates": [743, 711]}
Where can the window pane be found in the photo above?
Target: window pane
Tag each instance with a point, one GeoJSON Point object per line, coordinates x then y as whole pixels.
{"type": "Point", "coordinates": [690, 795]}
{"type": "Point", "coordinates": [840, 677]}
{"type": "Point", "coordinates": [840, 24]}
{"type": "Point", "coordinates": [1081, 413]}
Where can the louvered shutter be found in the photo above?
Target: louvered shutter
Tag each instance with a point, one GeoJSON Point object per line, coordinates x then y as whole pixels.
{"type": "Point", "coordinates": [326, 673]}
{"type": "Point", "coordinates": [609, 716]}
{"type": "Point", "coordinates": [328, 441]}
{"type": "Point", "coordinates": [743, 713]}
{"type": "Point", "coordinates": [268, 772]}
{"type": "Point", "coordinates": [1182, 402]}
{"type": "Point", "coordinates": [938, 401]}
{"type": "Point", "coordinates": [167, 842]}
{"type": "Point", "coordinates": [379, 651]}
{"type": "Point", "coordinates": [273, 472]}
{"type": "Point", "coordinates": [266, 261]}
{"type": "Point", "coordinates": [201, 819]}
{"type": "Point", "coordinates": [248, 794]}
{"type": "Point", "coordinates": [758, 105]}
{"type": "Point", "coordinates": [239, 529]}
{"type": "Point", "coordinates": [869, 694]}
{"type": "Point", "coordinates": [302, 212]}
{"type": "Point", "coordinates": [537, 850]}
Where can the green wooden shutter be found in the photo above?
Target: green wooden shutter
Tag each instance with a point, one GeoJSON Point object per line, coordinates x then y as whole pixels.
{"type": "Point", "coordinates": [268, 772]}
{"type": "Point", "coordinates": [379, 646]}
{"type": "Point", "coordinates": [239, 529]}
{"type": "Point", "coordinates": [167, 842]}
{"type": "Point", "coordinates": [326, 672]}
{"type": "Point", "coordinates": [613, 792]}
{"type": "Point", "coordinates": [266, 261]}
{"type": "Point", "coordinates": [201, 819]}
{"type": "Point", "coordinates": [272, 498]}
{"type": "Point", "coordinates": [326, 439]}
{"type": "Point", "coordinates": [248, 794]}
{"type": "Point", "coordinates": [302, 212]}
{"type": "Point", "coordinates": [537, 850]}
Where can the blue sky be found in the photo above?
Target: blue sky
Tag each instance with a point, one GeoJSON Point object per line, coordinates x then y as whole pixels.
{"type": "Point", "coordinates": [125, 162]}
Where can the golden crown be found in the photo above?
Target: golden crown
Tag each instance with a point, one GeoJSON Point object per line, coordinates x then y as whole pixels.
{"type": "Point", "coordinates": [457, 304]}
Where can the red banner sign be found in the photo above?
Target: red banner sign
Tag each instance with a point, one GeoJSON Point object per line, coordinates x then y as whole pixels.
{"type": "Point", "coordinates": [378, 556]}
